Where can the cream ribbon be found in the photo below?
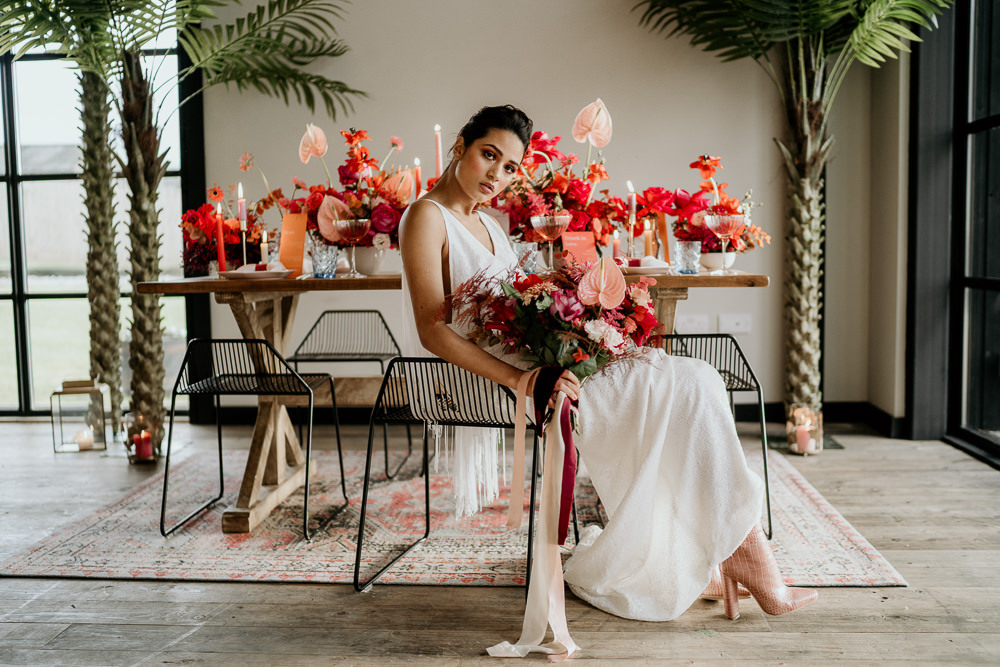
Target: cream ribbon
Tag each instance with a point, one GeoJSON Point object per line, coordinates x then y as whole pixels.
{"type": "Point", "coordinates": [546, 603]}
{"type": "Point", "coordinates": [515, 510]}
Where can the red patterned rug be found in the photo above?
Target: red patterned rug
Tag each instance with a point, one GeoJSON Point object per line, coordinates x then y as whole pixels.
{"type": "Point", "coordinates": [814, 544]}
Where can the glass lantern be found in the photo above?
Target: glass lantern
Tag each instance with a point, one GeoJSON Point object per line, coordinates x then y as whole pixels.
{"type": "Point", "coordinates": [141, 436]}
{"type": "Point", "coordinates": [79, 412]}
{"type": "Point", "coordinates": [804, 429]}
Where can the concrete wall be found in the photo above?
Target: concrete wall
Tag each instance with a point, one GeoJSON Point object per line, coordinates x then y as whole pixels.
{"type": "Point", "coordinates": [436, 62]}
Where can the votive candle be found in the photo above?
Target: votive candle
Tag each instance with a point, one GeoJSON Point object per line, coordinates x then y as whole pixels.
{"type": "Point", "coordinates": [264, 250]}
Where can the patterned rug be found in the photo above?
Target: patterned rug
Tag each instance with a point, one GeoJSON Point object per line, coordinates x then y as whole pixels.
{"type": "Point", "coordinates": [813, 543]}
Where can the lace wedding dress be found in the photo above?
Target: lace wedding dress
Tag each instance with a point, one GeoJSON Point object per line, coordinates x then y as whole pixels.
{"type": "Point", "coordinates": [658, 440]}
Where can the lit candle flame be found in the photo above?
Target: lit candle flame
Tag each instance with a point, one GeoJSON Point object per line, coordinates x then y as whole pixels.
{"type": "Point", "coordinates": [239, 191]}
{"type": "Point", "coordinates": [437, 128]}
{"type": "Point", "coordinates": [416, 162]}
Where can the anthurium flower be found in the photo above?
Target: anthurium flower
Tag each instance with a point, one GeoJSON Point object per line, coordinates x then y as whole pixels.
{"type": "Point", "coordinates": [398, 187]}
{"type": "Point", "coordinates": [706, 164]}
{"type": "Point", "coordinates": [313, 143]}
{"type": "Point", "coordinates": [542, 150]}
{"type": "Point", "coordinates": [593, 124]}
{"type": "Point", "coordinates": [602, 284]}
{"type": "Point", "coordinates": [330, 210]}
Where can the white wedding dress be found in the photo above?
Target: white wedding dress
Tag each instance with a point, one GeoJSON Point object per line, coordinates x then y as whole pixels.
{"type": "Point", "coordinates": [658, 439]}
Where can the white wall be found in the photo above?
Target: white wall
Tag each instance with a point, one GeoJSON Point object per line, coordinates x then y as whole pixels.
{"type": "Point", "coordinates": [436, 62]}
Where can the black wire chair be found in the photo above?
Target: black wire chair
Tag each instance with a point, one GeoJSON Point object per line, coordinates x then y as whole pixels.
{"type": "Point", "coordinates": [723, 352]}
{"type": "Point", "coordinates": [353, 336]}
{"type": "Point", "coordinates": [242, 367]}
{"type": "Point", "coordinates": [431, 391]}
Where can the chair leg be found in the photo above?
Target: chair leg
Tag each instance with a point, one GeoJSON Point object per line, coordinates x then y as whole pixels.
{"type": "Point", "coordinates": [305, 493]}
{"type": "Point", "coordinates": [531, 513]}
{"type": "Point", "coordinates": [340, 451]}
{"type": "Point", "coordinates": [166, 473]}
{"type": "Point", "coordinates": [767, 482]}
{"type": "Point", "coordinates": [361, 586]}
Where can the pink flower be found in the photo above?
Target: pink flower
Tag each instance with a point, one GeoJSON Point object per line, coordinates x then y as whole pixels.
{"type": "Point", "coordinates": [396, 142]}
{"type": "Point", "coordinates": [399, 186]}
{"type": "Point", "coordinates": [330, 210]}
{"type": "Point", "coordinates": [300, 184]}
{"type": "Point", "coordinates": [566, 306]}
{"type": "Point", "coordinates": [313, 143]}
{"type": "Point", "coordinates": [246, 162]}
{"type": "Point", "coordinates": [385, 218]}
{"type": "Point", "coordinates": [593, 123]}
{"type": "Point", "coordinates": [603, 283]}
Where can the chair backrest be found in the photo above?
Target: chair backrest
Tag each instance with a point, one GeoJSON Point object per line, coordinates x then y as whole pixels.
{"type": "Point", "coordinates": [236, 366]}
{"type": "Point", "coordinates": [431, 390]}
{"type": "Point", "coordinates": [721, 351]}
{"type": "Point", "coordinates": [349, 332]}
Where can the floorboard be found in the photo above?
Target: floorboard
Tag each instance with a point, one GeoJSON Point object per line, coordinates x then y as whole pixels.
{"type": "Point", "coordinates": [932, 511]}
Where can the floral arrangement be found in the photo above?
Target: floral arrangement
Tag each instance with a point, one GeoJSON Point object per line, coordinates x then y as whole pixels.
{"type": "Point", "coordinates": [548, 184]}
{"type": "Point", "coordinates": [578, 317]}
{"type": "Point", "coordinates": [200, 231]}
{"type": "Point", "coordinates": [691, 209]}
{"type": "Point", "coordinates": [366, 190]}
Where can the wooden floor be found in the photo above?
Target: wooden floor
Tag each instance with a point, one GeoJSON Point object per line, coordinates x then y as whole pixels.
{"type": "Point", "coordinates": [931, 510]}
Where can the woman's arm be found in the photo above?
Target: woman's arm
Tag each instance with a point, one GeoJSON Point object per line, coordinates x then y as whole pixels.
{"type": "Point", "coordinates": [422, 238]}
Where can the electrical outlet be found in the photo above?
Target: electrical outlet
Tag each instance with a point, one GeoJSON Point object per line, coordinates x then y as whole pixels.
{"type": "Point", "coordinates": [688, 324]}
{"type": "Point", "coordinates": [735, 323]}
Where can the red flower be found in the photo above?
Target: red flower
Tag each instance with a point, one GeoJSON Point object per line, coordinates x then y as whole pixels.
{"type": "Point", "coordinates": [654, 200]}
{"type": "Point", "coordinates": [354, 137]}
{"type": "Point", "coordinates": [540, 143]}
{"type": "Point", "coordinates": [706, 164]}
{"type": "Point", "coordinates": [314, 200]}
{"type": "Point", "coordinates": [577, 192]}
{"type": "Point", "coordinates": [580, 355]}
{"type": "Point", "coordinates": [580, 222]}
{"type": "Point", "coordinates": [385, 218]}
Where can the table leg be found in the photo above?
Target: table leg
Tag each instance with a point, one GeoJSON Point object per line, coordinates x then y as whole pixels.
{"type": "Point", "coordinates": [665, 303]}
{"type": "Point", "coordinates": [276, 463]}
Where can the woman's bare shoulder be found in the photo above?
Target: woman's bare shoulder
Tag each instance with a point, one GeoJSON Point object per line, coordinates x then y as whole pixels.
{"type": "Point", "coordinates": [422, 220]}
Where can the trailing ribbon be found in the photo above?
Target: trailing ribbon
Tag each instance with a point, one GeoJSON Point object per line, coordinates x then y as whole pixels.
{"type": "Point", "coordinates": [546, 603]}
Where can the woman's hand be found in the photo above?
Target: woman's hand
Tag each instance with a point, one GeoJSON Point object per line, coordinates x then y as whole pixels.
{"type": "Point", "coordinates": [567, 383]}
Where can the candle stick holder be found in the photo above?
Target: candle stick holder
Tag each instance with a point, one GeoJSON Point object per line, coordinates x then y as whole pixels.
{"type": "Point", "coordinates": [243, 242]}
{"type": "Point", "coordinates": [631, 236]}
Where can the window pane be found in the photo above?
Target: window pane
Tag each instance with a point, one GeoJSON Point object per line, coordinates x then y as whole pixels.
{"type": "Point", "coordinates": [984, 205]}
{"type": "Point", "coordinates": [3, 140]}
{"type": "Point", "coordinates": [982, 411]}
{"type": "Point", "coordinates": [8, 359]}
{"type": "Point", "coordinates": [985, 59]}
{"type": "Point", "coordinates": [48, 120]}
{"type": "Point", "coordinates": [5, 275]}
{"type": "Point", "coordinates": [55, 236]}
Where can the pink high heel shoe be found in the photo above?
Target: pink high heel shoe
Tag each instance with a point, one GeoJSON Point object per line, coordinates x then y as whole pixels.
{"type": "Point", "coordinates": [713, 591]}
{"type": "Point", "coordinates": [753, 565]}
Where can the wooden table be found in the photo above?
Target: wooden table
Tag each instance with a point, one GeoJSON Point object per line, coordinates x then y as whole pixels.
{"type": "Point", "coordinates": [266, 309]}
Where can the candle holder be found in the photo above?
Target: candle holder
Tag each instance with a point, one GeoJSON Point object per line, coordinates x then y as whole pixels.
{"type": "Point", "coordinates": [631, 236]}
{"type": "Point", "coordinates": [804, 429]}
{"type": "Point", "coordinates": [78, 416]}
{"type": "Point", "coordinates": [142, 438]}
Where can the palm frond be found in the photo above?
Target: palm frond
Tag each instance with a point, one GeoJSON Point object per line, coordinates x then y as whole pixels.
{"type": "Point", "coordinates": [266, 49]}
{"type": "Point", "coordinates": [883, 29]}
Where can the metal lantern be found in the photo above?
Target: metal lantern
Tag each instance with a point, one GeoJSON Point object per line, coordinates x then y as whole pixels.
{"type": "Point", "coordinates": [79, 416]}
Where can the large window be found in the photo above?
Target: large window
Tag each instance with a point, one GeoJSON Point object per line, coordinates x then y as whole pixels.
{"type": "Point", "coordinates": [976, 278]}
{"type": "Point", "coordinates": [44, 311]}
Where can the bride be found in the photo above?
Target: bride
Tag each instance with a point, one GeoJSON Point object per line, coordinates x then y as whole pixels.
{"type": "Point", "coordinates": [657, 438]}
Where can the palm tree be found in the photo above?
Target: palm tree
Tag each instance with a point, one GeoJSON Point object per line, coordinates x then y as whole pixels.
{"type": "Point", "coordinates": [807, 48]}
{"type": "Point", "coordinates": [267, 50]}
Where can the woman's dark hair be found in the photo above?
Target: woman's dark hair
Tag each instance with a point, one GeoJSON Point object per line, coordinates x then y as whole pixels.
{"type": "Point", "coordinates": [506, 117]}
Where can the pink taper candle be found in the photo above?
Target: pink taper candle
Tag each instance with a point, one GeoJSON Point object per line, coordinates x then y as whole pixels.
{"type": "Point", "coordinates": [437, 151]}
{"type": "Point", "coordinates": [416, 178]}
{"type": "Point", "coordinates": [616, 246]}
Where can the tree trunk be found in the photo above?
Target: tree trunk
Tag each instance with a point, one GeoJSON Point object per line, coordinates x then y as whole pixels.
{"type": "Point", "coordinates": [143, 170]}
{"type": "Point", "coordinates": [805, 156]}
{"type": "Point", "coordinates": [103, 292]}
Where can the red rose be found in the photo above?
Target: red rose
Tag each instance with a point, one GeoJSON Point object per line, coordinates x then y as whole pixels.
{"type": "Point", "coordinates": [580, 222]}
{"type": "Point", "coordinates": [577, 191]}
{"type": "Point", "coordinates": [314, 200]}
{"type": "Point", "coordinates": [385, 218]}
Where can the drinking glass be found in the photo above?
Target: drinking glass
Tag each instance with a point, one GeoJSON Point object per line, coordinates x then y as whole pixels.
{"type": "Point", "coordinates": [725, 227]}
{"type": "Point", "coordinates": [352, 231]}
{"type": "Point", "coordinates": [527, 254]}
{"type": "Point", "coordinates": [550, 228]}
{"type": "Point", "coordinates": [687, 253]}
{"type": "Point", "coordinates": [324, 258]}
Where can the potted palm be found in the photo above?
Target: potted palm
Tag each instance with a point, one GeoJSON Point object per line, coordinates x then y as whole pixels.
{"type": "Point", "coordinates": [807, 48]}
{"type": "Point", "coordinates": [268, 50]}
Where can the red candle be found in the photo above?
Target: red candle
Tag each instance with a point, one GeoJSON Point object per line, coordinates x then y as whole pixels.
{"type": "Point", "coordinates": [416, 178]}
{"type": "Point", "coordinates": [143, 443]}
{"type": "Point", "coordinates": [437, 151]}
{"type": "Point", "coordinates": [220, 241]}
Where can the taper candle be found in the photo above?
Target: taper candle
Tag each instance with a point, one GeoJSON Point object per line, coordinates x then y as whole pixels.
{"type": "Point", "coordinates": [220, 238]}
{"type": "Point", "coordinates": [649, 250]}
{"type": "Point", "coordinates": [631, 219]}
{"type": "Point", "coordinates": [241, 203]}
{"type": "Point", "coordinates": [616, 246]}
{"type": "Point", "coordinates": [416, 178]}
{"type": "Point", "coordinates": [264, 250]}
{"type": "Point", "coordinates": [437, 151]}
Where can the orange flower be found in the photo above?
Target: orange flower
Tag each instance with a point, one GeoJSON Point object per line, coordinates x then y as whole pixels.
{"type": "Point", "coordinates": [246, 162]}
{"type": "Point", "coordinates": [706, 164]}
{"type": "Point", "coordinates": [215, 193]}
{"type": "Point", "coordinates": [597, 174]}
{"type": "Point", "coordinates": [580, 355]}
{"type": "Point", "coordinates": [354, 137]}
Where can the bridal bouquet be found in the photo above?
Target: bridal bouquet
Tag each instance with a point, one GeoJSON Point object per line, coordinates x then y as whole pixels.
{"type": "Point", "coordinates": [576, 317]}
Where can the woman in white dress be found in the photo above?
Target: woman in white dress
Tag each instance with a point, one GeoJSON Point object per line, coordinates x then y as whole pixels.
{"type": "Point", "coordinates": [657, 438]}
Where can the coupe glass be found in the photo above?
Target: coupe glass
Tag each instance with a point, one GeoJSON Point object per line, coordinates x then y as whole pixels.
{"type": "Point", "coordinates": [352, 231]}
{"type": "Point", "coordinates": [550, 228]}
{"type": "Point", "coordinates": [725, 227]}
